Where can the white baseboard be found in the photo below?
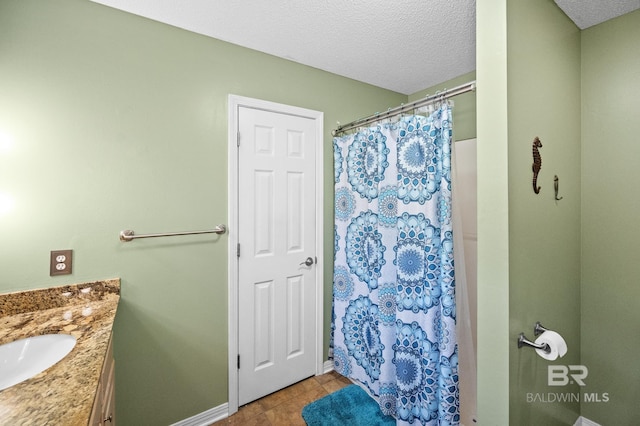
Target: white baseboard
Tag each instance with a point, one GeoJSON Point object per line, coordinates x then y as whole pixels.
{"type": "Point", "coordinates": [205, 418]}
{"type": "Point", "coordinates": [220, 412]}
{"type": "Point", "coordinates": [585, 422]}
{"type": "Point", "coordinates": [327, 367]}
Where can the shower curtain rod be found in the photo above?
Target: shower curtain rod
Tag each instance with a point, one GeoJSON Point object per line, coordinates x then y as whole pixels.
{"type": "Point", "coordinates": [446, 94]}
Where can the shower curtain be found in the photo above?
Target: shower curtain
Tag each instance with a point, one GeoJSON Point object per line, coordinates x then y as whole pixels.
{"type": "Point", "coordinates": [394, 310]}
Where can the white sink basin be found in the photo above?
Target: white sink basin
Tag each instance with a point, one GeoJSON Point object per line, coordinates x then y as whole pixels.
{"type": "Point", "coordinates": [24, 358]}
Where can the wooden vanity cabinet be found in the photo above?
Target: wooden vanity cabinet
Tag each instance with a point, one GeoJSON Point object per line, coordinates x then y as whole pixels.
{"type": "Point", "coordinates": [104, 404]}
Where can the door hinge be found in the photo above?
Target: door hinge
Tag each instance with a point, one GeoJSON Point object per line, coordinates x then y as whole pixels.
{"type": "Point", "coordinates": [238, 139]}
{"type": "Point", "coordinates": [238, 250]}
{"type": "Point", "coordinates": [238, 361]}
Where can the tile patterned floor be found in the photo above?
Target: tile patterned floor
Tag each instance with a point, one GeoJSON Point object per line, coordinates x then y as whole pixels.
{"type": "Point", "coordinates": [285, 407]}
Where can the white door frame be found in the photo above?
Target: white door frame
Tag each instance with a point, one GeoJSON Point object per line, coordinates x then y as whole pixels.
{"type": "Point", "coordinates": [236, 102]}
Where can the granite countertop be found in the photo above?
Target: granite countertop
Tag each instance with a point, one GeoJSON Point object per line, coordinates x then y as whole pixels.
{"type": "Point", "coordinates": [63, 394]}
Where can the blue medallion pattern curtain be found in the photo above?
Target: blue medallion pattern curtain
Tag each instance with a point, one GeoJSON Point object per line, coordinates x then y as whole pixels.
{"type": "Point", "coordinates": [394, 312]}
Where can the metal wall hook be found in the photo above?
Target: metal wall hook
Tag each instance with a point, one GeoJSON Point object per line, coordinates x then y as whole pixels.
{"type": "Point", "coordinates": [555, 187]}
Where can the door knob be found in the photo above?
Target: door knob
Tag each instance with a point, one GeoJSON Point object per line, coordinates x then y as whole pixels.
{"type": "Point", "coordinates": [308, 261]}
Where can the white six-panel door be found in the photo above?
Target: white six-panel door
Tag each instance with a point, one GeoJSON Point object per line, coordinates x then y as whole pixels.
{"type": "Point", "coordinates": [276, 236]}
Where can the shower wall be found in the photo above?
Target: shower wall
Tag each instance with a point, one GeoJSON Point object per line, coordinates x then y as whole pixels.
{"type": "Point", "coordinates": [466, 197]}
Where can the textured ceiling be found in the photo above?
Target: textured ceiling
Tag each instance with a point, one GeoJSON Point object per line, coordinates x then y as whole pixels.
{"type": "Point", "coordinates": [403, 46]}
{"type": "Point", "coordinates": [586, 13]}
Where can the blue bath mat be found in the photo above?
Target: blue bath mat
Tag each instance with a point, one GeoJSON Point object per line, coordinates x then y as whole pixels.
{"type": "Point", "coordinates": [348, 406]}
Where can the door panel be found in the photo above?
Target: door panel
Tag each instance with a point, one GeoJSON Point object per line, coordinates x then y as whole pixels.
{"type": "Point", "coordinates": [276, 232]}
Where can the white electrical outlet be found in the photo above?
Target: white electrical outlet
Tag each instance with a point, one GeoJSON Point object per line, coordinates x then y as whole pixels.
{"type": "Point", "coordinates": [60, 263]}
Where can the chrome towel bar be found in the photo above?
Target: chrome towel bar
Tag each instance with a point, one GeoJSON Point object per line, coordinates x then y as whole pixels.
{"type": "Point", "coordinates": [129, 235]}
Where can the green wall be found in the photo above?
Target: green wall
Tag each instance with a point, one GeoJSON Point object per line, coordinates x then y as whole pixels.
{"type": "Point", "coordinates": [544, 234]}
{"type": "Point", "coordinates": [528, 73]}
{"type": "Point", "coordinates": [610, 206]}
{"type": "Point", "coordinates": [120, 122]}
{"type": "Point", "coordinates": [570, 263]}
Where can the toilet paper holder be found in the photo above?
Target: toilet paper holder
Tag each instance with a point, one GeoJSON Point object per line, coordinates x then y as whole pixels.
{"type": "Point", "coordinates": [537, 330]}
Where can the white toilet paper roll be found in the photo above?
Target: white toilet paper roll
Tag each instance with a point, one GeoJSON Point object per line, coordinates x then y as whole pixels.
{"type": "Point", "coordinates": [556, 343]}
